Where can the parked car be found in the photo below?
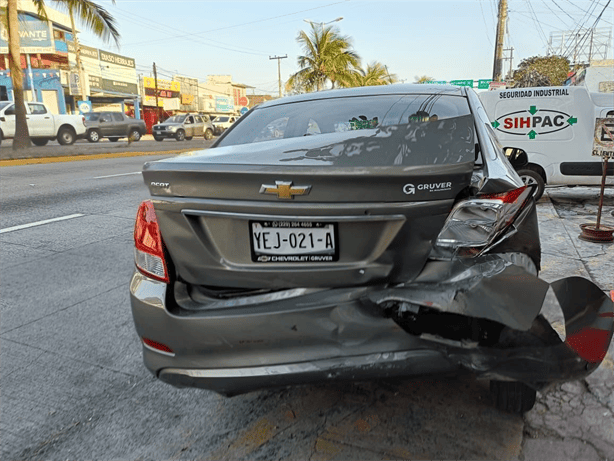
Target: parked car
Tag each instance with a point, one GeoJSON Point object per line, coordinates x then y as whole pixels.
{"type": "Point", "coordinates": [113, 125]}
{"type": "Point", "coordinates": [223, 122]}
{"type": "Point", "coordinates": [43, 126]}
{"type": "Point", "coordinates": [353, 234]}
{"type": "Point", "coordinates": [183, 127]}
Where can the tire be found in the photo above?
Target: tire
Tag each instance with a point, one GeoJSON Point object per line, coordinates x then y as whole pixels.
{"type": "Point", "coordinates": [189, 138]}
{"type": "Point", "coordinates": [93, 136]}
{"type": "Point", "coordinates": [208, 134]}
{"type": "Point", "coordinates": [66, 136]}
{"type": "Point", "coordinates": [114, 139]}
{"type": "Point", "coordinates": [135, 135]}
{"type": "Point", "coordinates": [40, 141]}
{"type": "Point", "coordinates": [513, 397]}
{"type": "Point", "coordinates": [180, 135]}
{"type": "Point", "coordinates": [158, 138]}
{"type": "Point", "coordinates": [531, 176]}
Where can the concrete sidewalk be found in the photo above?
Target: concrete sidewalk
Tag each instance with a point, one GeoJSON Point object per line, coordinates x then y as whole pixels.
{"type": "Point", "coordinates": [575, 420]}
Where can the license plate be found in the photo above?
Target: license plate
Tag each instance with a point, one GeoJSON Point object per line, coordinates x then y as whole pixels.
{"type": "Point", "coordinates": [293, 241]}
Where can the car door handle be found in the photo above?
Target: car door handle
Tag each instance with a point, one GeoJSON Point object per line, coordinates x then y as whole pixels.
{"type": "Point", "coordinates": [47, 118]}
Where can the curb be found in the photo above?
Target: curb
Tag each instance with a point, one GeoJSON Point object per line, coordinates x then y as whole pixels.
{"type": "Point", "coordinates": [78, 157]}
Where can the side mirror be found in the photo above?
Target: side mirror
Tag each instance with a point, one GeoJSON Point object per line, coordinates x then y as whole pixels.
{"type": "Point", "coordinates": [517, 157]}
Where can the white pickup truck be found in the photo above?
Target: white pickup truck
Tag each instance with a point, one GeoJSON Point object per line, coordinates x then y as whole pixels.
{"type": "Point", "coordinates": [43, 126]}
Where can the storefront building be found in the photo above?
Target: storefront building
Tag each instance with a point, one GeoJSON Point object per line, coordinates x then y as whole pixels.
{"type": "Point", "coordinates": [50, 69]}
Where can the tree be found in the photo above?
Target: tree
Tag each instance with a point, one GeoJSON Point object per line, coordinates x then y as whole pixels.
{"type": "Point", "coordinates": [328, 58]}
{"type": "Point", "coordinates": [424, 79]}
{"type": "Point", "coordinates": [375, 74]}
{"type": "Point", "coordinates": [541, 71]}
{"type": "Point", "coordinates": [93, 16]}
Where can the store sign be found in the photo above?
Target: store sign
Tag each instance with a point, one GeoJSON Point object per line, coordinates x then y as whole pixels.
{"type": "Point", "coordinates": [150, 82]}
{"type": "Point", "coordinates": [116, 59]}
{"type": "Point", "coordinates": [34, 36]}
{"type": "Point", "coordinates": [224, 104]}
{"type": "Point", "coordinates": [187, 99]}
{"type": "Point", "coordinates": [86, 51]}
{"type": "Point", "coordinates": [119, 87]}
{"type": "Point", "coordinates": [151, 101]}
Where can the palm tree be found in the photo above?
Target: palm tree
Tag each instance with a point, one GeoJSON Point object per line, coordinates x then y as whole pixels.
{"type": "Point", "coordinates": [424, 79]}
{"type": "Point", "coordinates": [93, 16]}
{"type": "Point", "coordinates": [375, 74]}
{"type": "Point", "coordinates": [328, 57]}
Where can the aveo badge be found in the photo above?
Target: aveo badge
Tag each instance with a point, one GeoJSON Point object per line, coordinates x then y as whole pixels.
{"type": "Point", "coordinates": [534, 122]}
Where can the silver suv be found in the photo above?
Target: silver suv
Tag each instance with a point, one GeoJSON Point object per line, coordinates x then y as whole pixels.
{"type": "Point", "coordinates": [183, 127]}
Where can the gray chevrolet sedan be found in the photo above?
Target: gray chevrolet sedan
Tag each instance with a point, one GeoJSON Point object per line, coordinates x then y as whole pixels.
{"type": "Point", "coordinates": [355, 234]}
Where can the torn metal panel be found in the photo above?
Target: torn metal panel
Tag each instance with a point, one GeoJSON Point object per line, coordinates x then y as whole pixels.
{"type": "Point", "coordinates": [502, 288]}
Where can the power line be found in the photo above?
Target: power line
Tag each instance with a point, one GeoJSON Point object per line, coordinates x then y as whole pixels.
{"type": "Point", "coordinates": [234, 26]}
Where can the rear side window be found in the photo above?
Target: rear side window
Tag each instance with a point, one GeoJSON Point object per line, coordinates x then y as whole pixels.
{"type": "Point", "coordinates": [117, 117]}
{"type": "Point", "coordinates": [411, 129]}
{"type": "Point", "coordinates": [37, 109]}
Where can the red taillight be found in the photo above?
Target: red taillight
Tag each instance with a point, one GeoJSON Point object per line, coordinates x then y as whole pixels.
{"type": "Point", "coordinates": [148, 249]}
{"type": "Point", "coordinates": [476, 223]}
{"type": "Point", "coordinates": [506, 197]}
{"type": "Point", "coordinates": [157, 346]}
{"type": "Point", "coordinates": [590, 343]}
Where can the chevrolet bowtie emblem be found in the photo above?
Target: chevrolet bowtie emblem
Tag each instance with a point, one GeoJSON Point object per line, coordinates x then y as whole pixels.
{"type": "Point", "coordinates": [284, 189]}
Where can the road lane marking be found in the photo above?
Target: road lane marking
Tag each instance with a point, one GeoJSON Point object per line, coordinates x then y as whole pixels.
{"type": "Point", "coordinates": [114, 175]}
{"type": "Point", "coordinates": [40, 223]}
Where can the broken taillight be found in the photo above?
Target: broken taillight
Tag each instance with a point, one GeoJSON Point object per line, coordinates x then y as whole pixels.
{"type": "Point", "coordinates": [148, 249]}
{"type": "Point", "coordinates": [474, 224]}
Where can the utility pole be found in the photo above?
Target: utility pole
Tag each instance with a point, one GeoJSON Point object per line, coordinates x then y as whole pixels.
{"type": "Point", "coordinates": [156, 90]}
{"type": "Point", "coordinates": [502, 19]}
{"type": "Point", "coordinates": [82, 84]}
{"type": "Point", "coordinates": [510, 59]}
{"type": "Point", "coordinates": [279, 58]}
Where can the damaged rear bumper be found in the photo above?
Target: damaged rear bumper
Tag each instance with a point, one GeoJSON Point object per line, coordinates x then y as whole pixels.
{"type": "Point", "coordinates": [480, 315]}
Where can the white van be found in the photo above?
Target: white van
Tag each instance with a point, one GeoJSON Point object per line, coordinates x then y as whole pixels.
{"type": "Point", "coordinates": [556, 128]}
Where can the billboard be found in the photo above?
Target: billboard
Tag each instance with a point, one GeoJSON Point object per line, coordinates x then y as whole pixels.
{"type": "Point", "coordinates": [34, 36]}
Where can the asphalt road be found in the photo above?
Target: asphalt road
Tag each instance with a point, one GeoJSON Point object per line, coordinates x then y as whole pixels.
{"type": "Point", "coordinates": [74, 387]}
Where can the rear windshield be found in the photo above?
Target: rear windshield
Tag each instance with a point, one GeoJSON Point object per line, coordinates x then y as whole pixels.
{"type": "Point", "coordinates": [222, 119]}
{"type": "Point", "coordinates": [175, 119]}
{"type": "Point", "coordinates": [391, 129]}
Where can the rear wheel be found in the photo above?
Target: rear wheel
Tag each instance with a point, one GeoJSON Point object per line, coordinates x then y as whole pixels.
{"type": "Point", "coordinates": [66, 136]}
{"type": "Point", "coordinates": [113, 139]}
{"type": "Point", "coordinates": [188, 138]}
{"type": "Point", "coordinates": [158, 138]}
{"type": "Point", "coordinates": [208, 134]}
{"type": "Point", "coordinates": [531, 176]}
{"type": "Point", "coordinates": [40, 141]}
{"type": "Point", "coordinates": [513, 397]}
{"type": "Point", "coordinates": [135, 135]}
{"type": "Point", "coordinates": [93, 136]}
{"type": "Point", "coordinates": [180, 135]}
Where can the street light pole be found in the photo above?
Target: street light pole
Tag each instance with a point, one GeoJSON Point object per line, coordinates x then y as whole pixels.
{"type": "Point", "coordinates": [322, 24]}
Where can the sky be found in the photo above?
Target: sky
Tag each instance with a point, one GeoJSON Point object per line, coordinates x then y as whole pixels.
{"type": "Point", "coordinates": [446, 40]}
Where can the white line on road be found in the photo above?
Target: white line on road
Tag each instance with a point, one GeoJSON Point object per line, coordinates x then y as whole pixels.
{"type": "Point", "coordinates": [39, 223]}
{"type": "Point", "coordinates": [113, 175]}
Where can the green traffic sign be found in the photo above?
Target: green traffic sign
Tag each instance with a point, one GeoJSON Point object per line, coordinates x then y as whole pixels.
{"type": "Point", "coordinates": [468, 83]}
{"type": "Point", "coordinates": [484, 84]}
